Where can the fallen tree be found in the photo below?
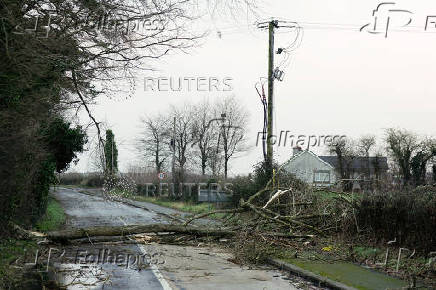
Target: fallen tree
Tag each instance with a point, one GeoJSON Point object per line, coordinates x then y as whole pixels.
{"type": "Point", "coordinates": [118, 232]}
{"type": "Point", "coordinates": [288, 210]}
{"type": "Point", "coordinates": [274, 212]}
{"type": "Point", "coordinates": [280, 212]}
{"type": "Point", "coordinates": [65, 235]}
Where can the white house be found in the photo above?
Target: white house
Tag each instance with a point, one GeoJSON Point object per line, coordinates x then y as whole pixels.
{"type": "Point", "coordinates": [325, 170]}
{"type": "Point", "coordinates": [307, 166]}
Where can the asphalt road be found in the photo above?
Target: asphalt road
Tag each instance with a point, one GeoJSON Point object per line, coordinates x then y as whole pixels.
{"type": "Point", "coordinates": [86, 211]}
{"type": "Point", "coordinates": [152, 266]}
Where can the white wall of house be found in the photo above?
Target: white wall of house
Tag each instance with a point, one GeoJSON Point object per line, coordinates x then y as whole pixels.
{"type": "Point", "coordinates": [311, 169]}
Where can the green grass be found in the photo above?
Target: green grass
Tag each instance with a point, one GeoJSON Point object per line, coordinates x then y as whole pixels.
{"type": "Point", "coordinates": [367, 252]}
{"type": "Point", "coordinates": [335, 260]}
{"type": "Point", "coordinates": [54, 217]}
{"type": "Point", "coordinates": [10, 250]}
{"type": "Point", "coordinates": [350, 274]}
{"type": "Point", "coordinates": [189, 207]}
{"type": "Point", "coordinates": [330, 196]}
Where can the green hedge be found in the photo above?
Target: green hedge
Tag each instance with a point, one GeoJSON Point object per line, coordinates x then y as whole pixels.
{"type": "Point", "coordinates": [410, 217]}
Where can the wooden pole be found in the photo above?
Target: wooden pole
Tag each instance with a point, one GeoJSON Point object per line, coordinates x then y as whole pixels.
{"type": "Point", "coordinates": [269, 149]}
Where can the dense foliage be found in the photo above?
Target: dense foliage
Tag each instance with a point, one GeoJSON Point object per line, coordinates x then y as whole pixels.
{"type": "Point", "coordinates": [63, 142]}
{"type": "Point", "coordinates": [28, 182]}
{"type": "Point", "coordinates": [61, 65]}
{"type": "Point", "coordinates": [407, 216]}
{"type": "Point", "coordinates": [245, 186]}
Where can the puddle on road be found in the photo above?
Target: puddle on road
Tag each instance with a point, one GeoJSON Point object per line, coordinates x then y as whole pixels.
{"type": "Point", "coordinates": [75, 276]}
{"type": "Point", "coordinates": [106, 266]}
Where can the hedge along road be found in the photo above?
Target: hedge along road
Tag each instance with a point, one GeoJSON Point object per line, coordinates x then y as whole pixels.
{"type": "Point", "coordinates": [152, 266]}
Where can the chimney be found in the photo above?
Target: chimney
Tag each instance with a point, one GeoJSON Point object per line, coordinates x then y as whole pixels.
{"type": "Point", "coordinates": [296, 150]}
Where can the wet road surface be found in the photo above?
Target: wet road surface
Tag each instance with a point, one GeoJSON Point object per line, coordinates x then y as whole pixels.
{"type": "Point", "coordinates": [149, 266]}
{"type": "Point", "coordinates": [87, 211]}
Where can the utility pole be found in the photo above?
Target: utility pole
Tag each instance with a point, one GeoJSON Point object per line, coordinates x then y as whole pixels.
{"type": "Point", "coordinates": [269, 149]}
{"type": "Point", "coordinates": [273, 73]}
{"type": "Point", "coordinates": [174, 152]}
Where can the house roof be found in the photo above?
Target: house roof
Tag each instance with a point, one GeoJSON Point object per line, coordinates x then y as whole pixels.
{"type": "Point", "coordinates": [359, 163]}
{"type": "Point", "coordinates": [308, 152]}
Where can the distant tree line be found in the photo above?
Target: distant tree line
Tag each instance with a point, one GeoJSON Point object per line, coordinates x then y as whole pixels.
{"type": "Point", "coordinates": [410, 154]}
{"type": "Point", "coordinates": [201, 137]}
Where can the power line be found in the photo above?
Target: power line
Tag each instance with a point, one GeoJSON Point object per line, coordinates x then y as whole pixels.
{"type": "Point", "coordinates": [323, 26]}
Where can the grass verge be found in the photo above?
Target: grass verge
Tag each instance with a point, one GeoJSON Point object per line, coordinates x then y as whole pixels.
{"type": "Point", "coordinates": [358, 265]}
{"type": "Point", "coordinates": [54, 217]}
{"type": "Point", "coordinates": [349, 274]}
{"type": "Point", "coordinates": [11, 249]}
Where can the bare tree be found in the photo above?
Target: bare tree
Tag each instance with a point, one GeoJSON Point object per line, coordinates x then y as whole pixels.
{"type": "Point", "coordinates": [153, 145]}
{"type": "Point", "coordinates": [216, 156]}
{"type": "Point", "coordinates": [345, 152]}
{"type": "Point", "coordinates": [364, 146]}
{"type": "Point", "coordinates": [402, 144]}
{"type": "Point", "coordinates": [233, 130]}
{"type": "Point", "coordinates": [183, 137]}
{"type": "Point", "coordinates": [418, 163]}
{"type": "Point", "coordinates": [376, 163]}
{"type": "Point", "coordinates": [410, 154]}
{"type": "Point", "coordinates": [203, 131]}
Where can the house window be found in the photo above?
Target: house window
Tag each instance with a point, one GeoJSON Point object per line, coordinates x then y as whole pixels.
{"type": "Point", "coordinates": [321, 176]}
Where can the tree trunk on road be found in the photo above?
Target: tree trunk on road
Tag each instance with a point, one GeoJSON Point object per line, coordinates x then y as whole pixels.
{"type": "Point", "coordinates": [65, 235]}
{"type": "Point", "coordinates": [75, 234]}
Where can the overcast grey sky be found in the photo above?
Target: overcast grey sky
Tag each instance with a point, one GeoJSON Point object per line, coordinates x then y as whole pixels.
{"type": "Point", "coordinates": [340, 80]}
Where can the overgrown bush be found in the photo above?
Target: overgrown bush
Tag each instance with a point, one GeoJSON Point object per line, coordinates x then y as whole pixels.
{"type": "Point", "coordinates": [88, 179]}
{"type": "Point", "coordinates": [246, 186]}
{"type": "Point", "coordinates": [94, 180]}
{"type": "Point", "coordinates": [71, 178]}
{"type": "Point", "coordinates": [410, 217]}
{"type": "Point", "coordinates": [141, 189]}
{"type": "Point", "coordinates": [28, 167]}
{"type": "Point", "coordinates": [243, 187]}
